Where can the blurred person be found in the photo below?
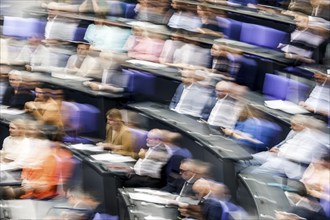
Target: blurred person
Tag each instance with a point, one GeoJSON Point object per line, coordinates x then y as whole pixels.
{"type": "Point", "coordinates": [304, 41]}
{"type": "Point", "coordinates": [13, 144]}
{"type": "Point", "coordinates": [182, 185]}
{"type": "Point", "coordinates": [149, 47]}
{"type": "Point", "coordinates": [294, 156]}
{"type": "Point", "coordinates": [184, 100]}
{"type": "Point", "coordinates": [223, 111]}
{"type": "Point", "coordinates": [172, 142]}
{"type": "Point", "coordinates": [252, 130]}
{"type": "Point", "coordinates": [157, 12]}
{"type": "Point", "coordinates": [4, 70]}
{"type": "Point", "coordinates": [147, 170]}
{"type": "Point", "coordinates": [184, 17]}
{"type": "Point", "coordinates": [118, 136]}
{"type": "Point", "coordinates": [319, 8]}
{"type": "Point", "coordinates": [84, 6]}
{"type": "Point", "coordinates": [16, 95]}
{"type": "Point", "coordinates": [175, 42]}
{"type": "Point", "coordinates": [209, 25]}
{"type": "Point", "coordinates": [207, 208]}
{"type": "Point", "coordinates": [318, 102]}
{"type": "Point", "coordinates": [85, 63]}
{"type": "Point", "coordinates": [96, 34]}
{"type": "Point", "coordinates": [312, 190]}
{"type": "Point", "coordinates": [45, 108]}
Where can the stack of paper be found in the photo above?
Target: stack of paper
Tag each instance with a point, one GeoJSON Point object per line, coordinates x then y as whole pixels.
{"type": "Point", "coordinates": [88, 147]}
{"type": "Point", "coordinates": [115, 158]}
{"type": "Point", "coordinates": [146, 63]}
{"type": "Point", "coordinates": [148, 198]}
{"type": "Point", "coordinates": [285, 106]}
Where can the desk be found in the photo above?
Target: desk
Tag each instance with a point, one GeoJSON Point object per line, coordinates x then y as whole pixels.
{"type": "Point", "coordinates": [204, 142]}
{"type": "Point", "coordinates": [259, 198]}
{"type": "Point", "coordinates": [74, 90]}
{"type": "Point", "coordinates": [10, 178]}
{"type": "Point", "coordinates": [133, 209]}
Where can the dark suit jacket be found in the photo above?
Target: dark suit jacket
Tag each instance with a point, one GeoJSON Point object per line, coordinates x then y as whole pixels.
{"type": "Point", "coordinates": [176, 97]}
{"type": "Point", "coordinates": [19, 99]}
{"type": "Point", "coordinates": [212, 210]}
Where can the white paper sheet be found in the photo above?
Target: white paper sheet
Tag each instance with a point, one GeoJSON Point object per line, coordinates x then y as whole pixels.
{"type": "Point", "coordinates": [70, 77]}
{"type": "Point", "coordinates": [148, 198]}
{"type": "Point", "coordinates": [115, 158]}
{"type": "Point", "coordinates": [285, 106]}
{"type": "Point", "coordinates": [88, 147]}
{"type": "Point", "coordinates": [11, 111]}
{"type": "Point", "coordinates": [147, 63]}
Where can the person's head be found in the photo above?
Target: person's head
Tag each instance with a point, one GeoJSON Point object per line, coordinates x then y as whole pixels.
{"type": "Point", "coordinates": [114, 118]}
{"type": "Point", "coordinates": [203, 11]}
{"type": "Point", "coordinates": [201, 187]}
{"type": "Point", "coordinates": [4, 70]}
{"type": "Point", "coordinates": [17, 127]}
{"type": "Point", "coordinates": [249, 112]}
{"type": "Point", "coordinates": [154, 137]}
{"type": "Point", "coordinates": [15, 78]}
{"type": "Point", "coordinates": [298, 122]}
{"type": "Point", "coordinates": [201, 169]}
{"type": "Point", "coordinates": [42, 92]}
{"type": "Point", "coordinates": [222, 89]}
{"type": "Point", "coordinates": [82, 50]}
{"type": "Point", "coordinates": [187, 169]}
{"type": "Point", "coordinates": [220, 191]}
{"type": "Point", "coordinates": [215, 50]}
{"type": "Point", "coordinates": [33, 129]}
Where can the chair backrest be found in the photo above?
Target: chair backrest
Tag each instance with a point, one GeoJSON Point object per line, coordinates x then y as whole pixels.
{"type": "Point", "coordinates": [230, 211]}
{"type": "Point", "coordinates": [262, 36]}
{"type": "Point", "coordinates": [247, 73]}
{"type": "Point", "coordinates": [89, 118]}
{"type": "Point", "coordinates": [70, 116]}
{"type": "Point", "coordinates": [23, 27]}
{"type": "Point", "coordinates": [275, 87]}
{"type": "Point", "coordinates": [296, 91]}
{"type": "Point", "coordinates": [79, 35]}
{"type": "Point", "coordinates": [139, 138]}
{"type": "Point", "coordinates": [116, 8]}
{"type": "Point", "coordinates": [130, 10]}
{"type": "Point", "coordinates": [231, 28]}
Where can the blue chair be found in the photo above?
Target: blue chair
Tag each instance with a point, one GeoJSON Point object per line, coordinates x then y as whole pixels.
{"type": "Point", "coordinates": [116, 8]}
{"type": "Point", "coordinates": [299, 71]}
{"type": "Point", "coordinates": [275, 87]}
{"type": "Point", "coordinates": [88, 118]}
{"type": "Point", "coordinates": [297, 91]}
{"type": "Point", "coordinates": [262, 36]}
{"type": "Point", "coordinates": [79, 35]}
{"type": "Point", "coordinates": [103, 216]}
{"type": "Point", "coordinates": [139, 138]}
{"type": "Point", "coordinates": [23, 27]}
{"type": "Point", "coordinates": [144, 84]}
{"type": "Point", "coordinates": [231, 28]}
{"type": "Point", "coordinates": [247, 73]}
{"type": "Point", "coordinates": [130, 11]}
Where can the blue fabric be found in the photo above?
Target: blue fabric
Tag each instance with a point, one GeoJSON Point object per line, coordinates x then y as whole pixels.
{"type": "Point", "coordinates": [177, 95]}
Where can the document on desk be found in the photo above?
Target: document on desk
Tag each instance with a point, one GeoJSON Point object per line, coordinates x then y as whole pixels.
{"type": "Point", "coordinates": [148, 198]}
{"type": "Point", "coordinates": [146, 64]}
{"type": "Point", "coordinates": [286, 106]}
{"type": "Point", "coordinates": [89, 147]}
{"type": "Point", "coordinates": [115, 158]}
{"type": "Point", "coordinates": [9, 167]}
{"type": "Point", "coordinates": [70, 77]}
{"type": "Point", "coordinates": [10, 111]}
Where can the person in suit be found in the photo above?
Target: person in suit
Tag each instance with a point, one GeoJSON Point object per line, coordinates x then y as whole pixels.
{"type": "Point", "coordinates": [207, 208]}
{"type": "Point", "coordinates": [182, 186]}
{"type": "Point", "coordinates": [17, 94]}
{"type": "Point", "coordinates": [118, 136]}
{"type": "Point", "coordinates": [148, 169]}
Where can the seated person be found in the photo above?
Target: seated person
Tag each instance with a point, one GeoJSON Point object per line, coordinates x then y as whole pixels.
{"type": "Point", "coordinates": [184, 100]}
{"type": "Point", "coordinates": [182, 185]}
{"type": "Point", "coordinates": [252, 130]}
{"type": "Point", "coordinates": [210, 25]}
{"type": "Point", "coordinates": [38, 181]}
{"type": "Point", "coordinates": [149, 46]}
{"type": "Point", "coordinates": [11, 147]}
{"type": "Point", "coordinates": [184, 17]}
{"type": "Point", "coordinates": [318, 102]}
{"type": "Point", "coordinates": [17, 94]}
{"type": "Point", "coordinates": [311, 188]}
{"type": "Point", "coordinates": [304, 41]}
{"type": "Point", "coordinates": [223, 111]}
{"type": "Point", "coordinates": [207, 208]}
{"type": "Point", "coordinates": [118, 136]}
{"type": "Point", "coordinates": [175, 42]}
{"type": "Point", "coordinates": [147, 170]}
{"type": "Point", "coordinates": [295, 154]}
{"type": "Point", "coordinates": [46, 108]}
{"type": "Point", "coordinates": [4, 84]}
{"type": "Point", "coordinates": [85, 63]}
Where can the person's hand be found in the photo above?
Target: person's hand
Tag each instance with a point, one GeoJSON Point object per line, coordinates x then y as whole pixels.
{"type": "Point", "coordinates": [28, 67]}
{"type": "Point", "coordinates": [95, 86]}
{"type": "Point", "coordinates": [227, 131]}
{"type": "Point", "coordinates": [274, 150]}
{"type": "Point", "coordinates": [142, 153]}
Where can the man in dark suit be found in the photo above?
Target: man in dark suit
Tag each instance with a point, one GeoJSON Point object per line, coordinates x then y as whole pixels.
{"type": "Point", "coordinates": [208, 207]}
{"type": "Point", "coordinates": [183, 185]}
